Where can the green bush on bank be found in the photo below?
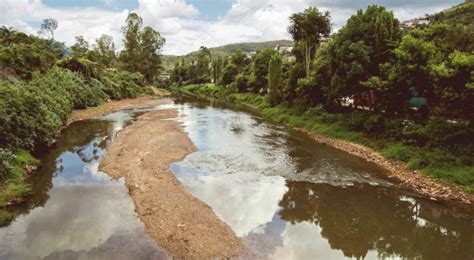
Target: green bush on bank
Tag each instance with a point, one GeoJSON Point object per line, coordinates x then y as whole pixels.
{"type": "Point", "coordinates": [13, 182]}
{"type": "Point", "coordinates": [32, 113]}
{"type": "Point", "coordinates": [120, 84]}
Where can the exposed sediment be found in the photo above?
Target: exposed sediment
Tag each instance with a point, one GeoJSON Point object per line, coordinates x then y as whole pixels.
{"type": "Point", "coordinates": [116, 105]}
{"type": "Point", "coordinates": [181, 224]}
{"type": "Point", "coordinates": [420, 184]}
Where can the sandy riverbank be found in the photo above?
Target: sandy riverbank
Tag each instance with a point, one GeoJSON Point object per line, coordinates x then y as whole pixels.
{"type": "Point", "coordinates": [116, 105]}
{"type": "Point", "coordinates": [412, 180]}
{"type": "Point", "coordinates": [180, 223]}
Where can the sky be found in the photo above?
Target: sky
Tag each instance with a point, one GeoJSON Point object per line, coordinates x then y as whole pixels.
{"type": "Point", "coordinates": [188, 24]}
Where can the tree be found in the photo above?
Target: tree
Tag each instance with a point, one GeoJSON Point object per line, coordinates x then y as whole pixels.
{"type": "Point", "coordinates": [355, 55]}
{"type": "Point", "coordinates": [260, 68]}
{"type": "Point", "coordinates": [80, 48]}
{"type": "Point", "coordinates": [310, 27]}
{"type": "Point", "coordinates": [274, 79]}
{"type": "Point", "coordinates": [229, 74]}
{"type": "Point", "coordinates": [105, 49]}
{"type": "Point", "coordinates": [151, 44]}
{"type": "Point", "coordinates": [142, 48]}
{"type": "Point", "coordinates": [48, 27]}
{"type": "Point", "coordinates": [240, 59]}
{"type": "Point", "coordinates": [130, 56]}
{"type": "Point", "coordinates": [203, 62]}
{"type": "Point", "coordinates": [217, 66]}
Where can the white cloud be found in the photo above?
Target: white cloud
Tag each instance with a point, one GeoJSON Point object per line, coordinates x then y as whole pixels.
{"type": "Point", "coordinates": [182, 26]}
{"type": "Point", "coordinates": [26, 15]}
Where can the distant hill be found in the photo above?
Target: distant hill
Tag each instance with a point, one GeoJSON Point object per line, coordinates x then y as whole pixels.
{"type": "Point", "coordinates": [460, 14]}
{"type": "Point", "coordinates": [226, 50]}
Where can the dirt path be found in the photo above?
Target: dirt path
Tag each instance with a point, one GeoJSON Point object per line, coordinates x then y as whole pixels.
{"type": "Point", "coordinates": [180, 223]}
{"type": "Point", "coordinates": [116, 105]}
{"type": "Point", "coordinates": [413, 180]}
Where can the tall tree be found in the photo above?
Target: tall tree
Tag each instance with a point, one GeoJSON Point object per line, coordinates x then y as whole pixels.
{"type": "Point", "coordinates": [105, 49]}
{"type": "Point", "coordinates": [274, 79]}
{"type": "Point", "coordinates": [142, 48]}
{"type": "Point", "coordinates": [310, 27]}
{"type": "Point", "coordinates": [130, 56]}
{"type": "Point", "coordinates": [203, 64]}
{"type": "Point", "coordinates": [260, 68]}
{"type": "Point", "coordinates": [48, 27]}
{"type": "Point", "coordinates": [217, 66]}
{"type": "Point", "coordinates": [151, 44]}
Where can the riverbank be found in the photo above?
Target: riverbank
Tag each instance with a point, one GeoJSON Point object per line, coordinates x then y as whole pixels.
{"type": "Point", "coordinates": [448, 183]}
{"type": "Point", "coordinates": [180, 223]}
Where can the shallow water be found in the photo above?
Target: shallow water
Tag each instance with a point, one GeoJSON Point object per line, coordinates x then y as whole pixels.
{"type": "Point", "coordinates": [289, 197]}
{"type": "Point", "coordinates": [76, 211]}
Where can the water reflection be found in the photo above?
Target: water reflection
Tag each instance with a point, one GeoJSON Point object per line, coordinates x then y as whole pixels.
{"type": "Point", "coordinates": [242, 199]}
{"type": "Point", "coordinates": [374, 218]}
{"type": "Point", "coordinates": [84, 214]}
{"type": "Point", "coordinates": [291, 198]}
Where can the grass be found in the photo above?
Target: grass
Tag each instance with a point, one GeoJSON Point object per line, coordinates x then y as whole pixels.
{"type": "Point", "coordinates": [436, 162]}
{"type": "Point", "coordinates": [15, 186]}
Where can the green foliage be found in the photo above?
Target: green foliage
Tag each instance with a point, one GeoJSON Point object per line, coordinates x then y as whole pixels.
{"type": "Point", "coordinates": [274, 79]}
{"type": "Point", "coordinates": [84, 66]}
{"type": "Point", "coordinates": [142, 48]}
{"type": "Point", "coordinates": [260, 69]}
{"type": "Point", "coordinates": [104, 51]}
{"type": "Point", "coordinates": [462, 13]}
{"type": "Point", "coordinates": [229, 74]}
{"type": "Point", "coordinates": [14, 182]}
{"type": "Point", "coordinates": [80, 48]}
{"type": "Point", "coordinates": [22, 55]}
{"type": "Point", "coordinates": [398, 152]}
{"type": "Point", "coordinates": [309, 27]}
{"type": "Point", "coordinates": [6, 157]}
{"type": "Point", "coordinates": [118, 84]}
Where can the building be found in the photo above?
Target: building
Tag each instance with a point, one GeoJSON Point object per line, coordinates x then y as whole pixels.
{"type": "Point", "coordinates": [424, 20]}
{"type": "Point", "coordinates": [283, 49]}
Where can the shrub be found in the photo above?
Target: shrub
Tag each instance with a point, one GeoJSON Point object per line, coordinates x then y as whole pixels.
{"type": "Point", "coordinates": [6, 157]}
{"type": "Point", "coordinates": [123, 84]}
{"type": "Point", "coordinates": [375, 124]}
{"type": "Point", "coordinates": [356, 121]}
{"type": "Point", "coordinates": [398, 152]}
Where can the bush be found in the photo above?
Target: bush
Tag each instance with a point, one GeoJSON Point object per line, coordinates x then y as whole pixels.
{"type": "Point", "coordinates": [375, 124]}
{"type": "Point", "coordinates": [356, 121]}
{"type": "Point", "coordinates": [123, 84]}
{"type": "Point", "coordinates": [6, 157]}
{"type": "Point", "coordinates": [398, 152]}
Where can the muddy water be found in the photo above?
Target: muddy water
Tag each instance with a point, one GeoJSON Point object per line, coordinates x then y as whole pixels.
{"type": "Point", "coordinates": [291, 198]}
{"type": "Point", "coordinates": [77, 212]}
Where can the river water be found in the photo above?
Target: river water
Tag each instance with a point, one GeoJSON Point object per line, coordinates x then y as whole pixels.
{"type": "Point", "coordinates": [285, 195]}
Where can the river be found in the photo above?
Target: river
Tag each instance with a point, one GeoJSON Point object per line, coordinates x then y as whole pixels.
{"type": "Point", "coordinates": [285, 195]}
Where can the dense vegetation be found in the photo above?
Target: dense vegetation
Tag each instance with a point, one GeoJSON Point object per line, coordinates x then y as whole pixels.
{"type": "Point", "coordinates": [225, 50]}
{"type": "Point", "coordinates": [408, 93]}
{"type": "Point", "coordinates": [42, 81]}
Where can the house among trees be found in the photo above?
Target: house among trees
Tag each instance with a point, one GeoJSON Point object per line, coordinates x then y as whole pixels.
{"type": "Point", "coordinates": [424, 20]}
{"type": "Point", "coordinates": [283, 48]}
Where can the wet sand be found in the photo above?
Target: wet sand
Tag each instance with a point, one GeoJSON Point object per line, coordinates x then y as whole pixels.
{"type": "Point", "coordinates": [413, 180]}
{"type": "Point", "coordinates": [116, 105]}
{"type": "Point", "coordinates": [180, 223]}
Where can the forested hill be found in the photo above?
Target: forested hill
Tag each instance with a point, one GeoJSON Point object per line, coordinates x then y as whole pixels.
{"type": "Point", "coordinates": [227, 50]}
{"type": "Point", "coordinates": [459, 14]}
